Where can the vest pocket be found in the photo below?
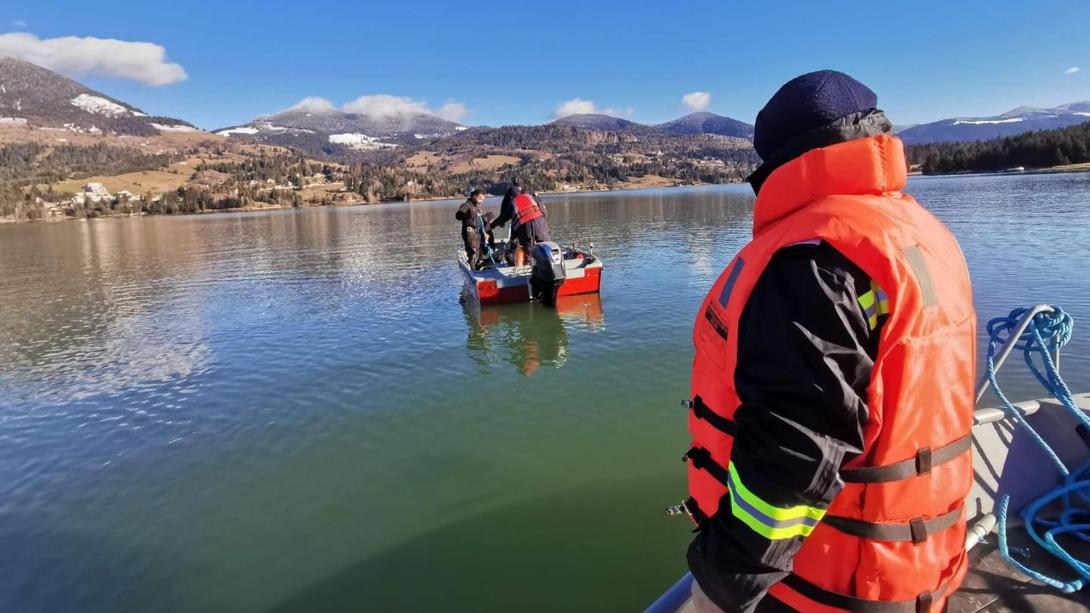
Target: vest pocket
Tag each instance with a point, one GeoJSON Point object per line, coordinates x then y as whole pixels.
{"type": "Point", "coordinates": [713, 338]}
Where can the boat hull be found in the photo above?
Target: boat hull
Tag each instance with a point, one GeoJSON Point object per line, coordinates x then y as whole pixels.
{"type": "Point", "coordinates": [507, 284]}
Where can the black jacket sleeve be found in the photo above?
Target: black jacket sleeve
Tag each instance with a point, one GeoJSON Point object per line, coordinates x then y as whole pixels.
{"type": "Point", "coordinates": [805, 354]}
{"type": "Point", "coordinates": [507, 212]}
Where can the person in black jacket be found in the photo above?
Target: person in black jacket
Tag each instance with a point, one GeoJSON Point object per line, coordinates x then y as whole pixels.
{"type": "Point", "coordinates": [507, 206]}
{"type": "Point", "coordinates": [806, 349]}
{"type": "Point", "coordinates": [469, 213]}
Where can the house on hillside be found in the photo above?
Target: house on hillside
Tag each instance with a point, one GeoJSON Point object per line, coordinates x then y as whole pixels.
{"type": "Point", "coordinates": [93, 193]}
{"type": "Point", "coordinates": [96, 192]}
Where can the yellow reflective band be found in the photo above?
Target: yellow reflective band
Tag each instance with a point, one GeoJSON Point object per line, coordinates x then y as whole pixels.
{"type": "Point", "coordinates": [875, 303]}
{"type": "Point", "coordinates": [771, 522]}
{"type": "Point", "coordinates": [867, 300]}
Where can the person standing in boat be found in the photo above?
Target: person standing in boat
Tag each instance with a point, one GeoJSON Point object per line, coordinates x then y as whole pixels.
{"type": "Point", "coordinates": [832, 383]}
{"type": "Point", "coordinates": [469, 213]}
{"type": "Point", "coordinates": [527, 217]}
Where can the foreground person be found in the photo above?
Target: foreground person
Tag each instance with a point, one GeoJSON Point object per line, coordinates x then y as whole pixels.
{"type": "Point", "coordinates": [832, 386]}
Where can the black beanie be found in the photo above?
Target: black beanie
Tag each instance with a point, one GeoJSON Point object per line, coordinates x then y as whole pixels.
{"type": "Point", "coordinates": [807, 102]}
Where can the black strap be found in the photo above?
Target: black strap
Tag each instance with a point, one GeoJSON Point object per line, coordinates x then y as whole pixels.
{"type": "Point", "coordinates": [694, 510]}
{"type": "Point", "coordinates": [702, 459]}
{"type": "Point", "coordinates": [717, 421]}
{"type": "Point", "coordinates": [921, 604]}
{"type": "Point", "coordinates": [915, 530]}
{"type": "Point", "coordinates": [920, 464]}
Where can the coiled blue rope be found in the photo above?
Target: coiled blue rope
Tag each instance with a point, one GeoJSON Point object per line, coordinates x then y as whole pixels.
{"type": "Point", "coordinates": [1045, 334]}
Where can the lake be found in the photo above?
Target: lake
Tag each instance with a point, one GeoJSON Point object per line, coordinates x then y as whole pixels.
{"type": "Point", "coordinates": [292, 411]}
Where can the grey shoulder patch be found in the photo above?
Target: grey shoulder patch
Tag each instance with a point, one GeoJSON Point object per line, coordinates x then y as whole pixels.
{"type": "Point", "coordinates": [919, 267]}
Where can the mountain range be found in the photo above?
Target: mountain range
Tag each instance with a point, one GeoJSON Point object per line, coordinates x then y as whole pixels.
{"type": "Point", "coordinates": [59, 139]}
{"type": "Point", "coordinates": [57, 134]}
{"type": "Point", "coordinates": [694, 123]}
{"type": "Point", "coordinates": [32, 95]}
{"type": "Point", "coordinates": [332, 132]}
{"type": "Point", "coordinates": [1012, 123]}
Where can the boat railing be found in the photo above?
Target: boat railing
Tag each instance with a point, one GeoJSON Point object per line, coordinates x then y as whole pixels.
{"type": "Point", "coordinates": [984, 524]}
{"type": "Point", "coordinates": [1008, 347]}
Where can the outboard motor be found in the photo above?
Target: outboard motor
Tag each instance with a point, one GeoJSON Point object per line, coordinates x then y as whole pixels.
{"type": "Point", "coordinates": [548, 272]}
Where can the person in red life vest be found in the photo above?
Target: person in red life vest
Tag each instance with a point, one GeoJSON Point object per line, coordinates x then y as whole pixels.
{"type": "Point", "coordinates": [527, 217]}
{"type": "Point", "coordinates": [832, 384]}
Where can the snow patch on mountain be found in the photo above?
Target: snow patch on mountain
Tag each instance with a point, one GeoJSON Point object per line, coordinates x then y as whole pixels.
{"type": "Point", "coordinates": [173, 128]}
{"type": "Point", "coordinates": [355, 140]}
{"type": "Point", "coordinates": [239, 130]}
{"type": "Point", "coordinates": [982, 122]}
{"type": "Point", "coordinates": [99, 106]}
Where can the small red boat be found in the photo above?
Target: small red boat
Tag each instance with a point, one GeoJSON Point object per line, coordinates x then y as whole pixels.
{"type": "Point", "coordinates": [553, 271]}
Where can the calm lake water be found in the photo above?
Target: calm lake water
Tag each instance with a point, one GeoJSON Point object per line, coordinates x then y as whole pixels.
{"type": "Point", "coordinates": [291, 411]}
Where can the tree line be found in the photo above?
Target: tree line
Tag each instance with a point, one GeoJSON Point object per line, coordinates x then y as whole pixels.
{"type": "Point", "coordinates": [27, 163]}
{"type": "Point", "coordinates": [1042, 149]}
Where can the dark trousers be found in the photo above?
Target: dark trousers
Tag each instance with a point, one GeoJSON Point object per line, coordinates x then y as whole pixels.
{"type": "Point", "coordinates": [472, 242]}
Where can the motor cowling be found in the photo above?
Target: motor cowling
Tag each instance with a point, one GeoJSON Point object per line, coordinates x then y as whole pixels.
{"type": "Point", "coordinates": [548, 273]}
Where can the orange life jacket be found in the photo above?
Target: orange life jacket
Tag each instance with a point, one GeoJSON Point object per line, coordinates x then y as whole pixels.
{"type": "Point", "coordinates": [526, 209]}
{"type": "Point", "coordinates": [894, 538]}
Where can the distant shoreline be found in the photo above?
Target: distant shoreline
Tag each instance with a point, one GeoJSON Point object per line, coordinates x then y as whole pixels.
{"type": "Point", "coordinates": [1048, 170]}
{"type": "Point", "coordinates": [260, 209]}
{"type": "Point", "coordinates": [633, 186]}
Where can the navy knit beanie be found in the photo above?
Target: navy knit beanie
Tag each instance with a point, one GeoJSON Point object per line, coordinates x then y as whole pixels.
{"type": "Point", "coordinates": [807, 102]}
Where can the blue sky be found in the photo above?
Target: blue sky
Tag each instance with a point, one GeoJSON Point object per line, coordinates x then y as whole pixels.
{"type": "Point", "coordinates": [517, 62]}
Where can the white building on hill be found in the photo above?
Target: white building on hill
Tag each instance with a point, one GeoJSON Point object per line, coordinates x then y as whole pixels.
{"type": "Point", "coordinates": [92, 193]}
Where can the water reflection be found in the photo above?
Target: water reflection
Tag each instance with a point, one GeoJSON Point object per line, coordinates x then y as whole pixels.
{"type": "Point", "coordinates": [529, 336]}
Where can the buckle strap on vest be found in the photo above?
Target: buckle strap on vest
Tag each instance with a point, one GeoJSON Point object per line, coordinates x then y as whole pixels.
{"type": "Point", "coordinates": [689, 508]}
{"type": "Point", "coordinates": [702, 460]}
{"type": "Point", "coordinates": [920, 464]}
{"type": "Point", "coordinates": [921, 604]}
{"type": "Point", "coordinates": [694, 511]}
{"type": "Point", "coordinates": [717, 421]}
{"type": "Point", "coordinates": [916, 530]}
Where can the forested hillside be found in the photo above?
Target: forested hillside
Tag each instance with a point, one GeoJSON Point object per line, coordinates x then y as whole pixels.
{"type": "Point", "coordinates": [1032, 150]}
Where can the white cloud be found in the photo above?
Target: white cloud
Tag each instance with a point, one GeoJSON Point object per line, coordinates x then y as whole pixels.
{"type": "Point", "coordinates": [697, 101]}
{"type": "Point", "coordinates": [104, 57]}
{"type": "Point", "coordinates": [578, 106]}
{"type": "Point", "coordinates": [19, 23]}
{"type": "Point", "coordinates": [575, 106]}
{"type": "Point", "coordinates": [1073, 70]}
{"type": "Point", "coordinates": [453, 111]}
{"type": "Point", "coordinates": [313, 104]}
{"type": "Point", "coordinates": [382, 106]}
